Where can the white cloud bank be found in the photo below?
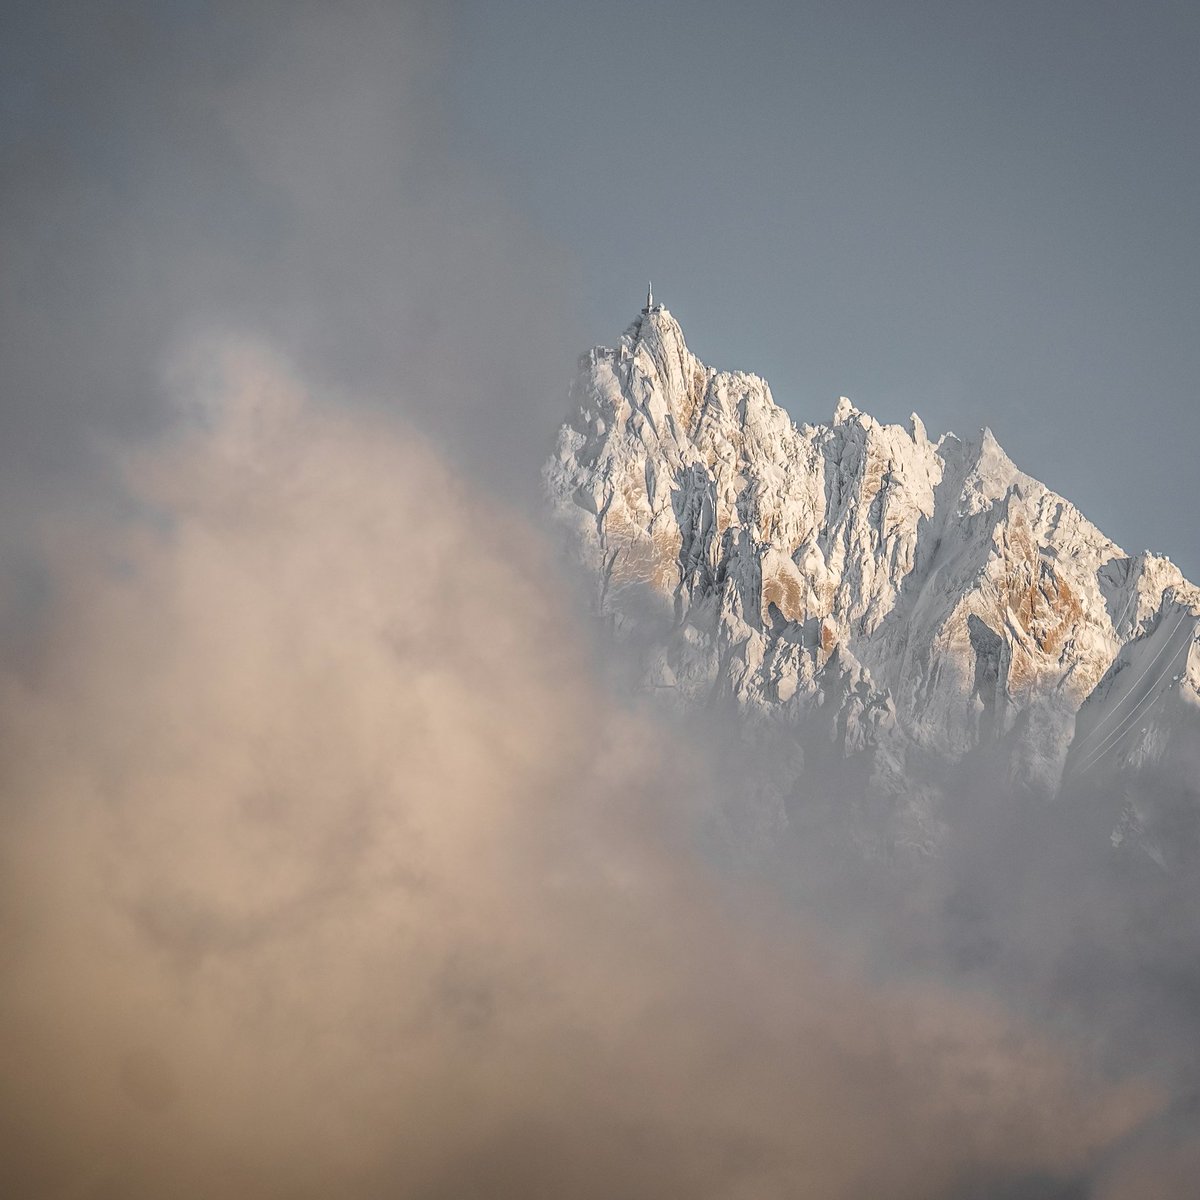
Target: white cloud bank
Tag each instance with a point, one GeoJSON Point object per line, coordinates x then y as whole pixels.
{"type": "Point", "coordinates": [330, 868]}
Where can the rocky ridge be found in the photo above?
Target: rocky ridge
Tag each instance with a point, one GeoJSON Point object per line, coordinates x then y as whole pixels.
{"type": "Point", "coordinates": [889, 596]}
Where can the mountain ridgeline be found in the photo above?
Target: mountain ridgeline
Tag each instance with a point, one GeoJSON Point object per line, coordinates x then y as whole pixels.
{"type": "Point", "coordinates": [891, 601]}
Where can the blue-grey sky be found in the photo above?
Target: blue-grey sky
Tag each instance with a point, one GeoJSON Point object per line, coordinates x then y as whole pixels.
{"type": "Point", "coordinates": [989, 213]}
{"type": "Point", "coordinates": [986, 212]}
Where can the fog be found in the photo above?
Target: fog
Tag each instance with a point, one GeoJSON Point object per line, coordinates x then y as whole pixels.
{"type": "Point", "coordinates": [335, 855]}
{"type": "Point", "coordinates": [273, 168]}
{"type": "Point", "coordinates": [330, 866]}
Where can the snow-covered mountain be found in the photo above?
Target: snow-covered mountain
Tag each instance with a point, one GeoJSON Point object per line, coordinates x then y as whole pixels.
{"type": "Point", "coordinates": [893, 597]}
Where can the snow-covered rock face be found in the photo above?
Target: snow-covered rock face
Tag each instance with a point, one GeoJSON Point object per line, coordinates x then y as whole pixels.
{"type": "Point", "coordinates": [906, 593]}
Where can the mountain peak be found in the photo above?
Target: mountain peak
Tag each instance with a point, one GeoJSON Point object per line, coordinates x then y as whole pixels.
{"type": "Point", "coordinates": [657, 321]}
{"type": "Point", "coordinates": [897, 592]}
{"type": "Point", "coordinates": [844, 410]}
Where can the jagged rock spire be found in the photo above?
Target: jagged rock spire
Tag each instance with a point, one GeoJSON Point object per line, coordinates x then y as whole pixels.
{"type": "Point", "coordinates": [972, 593]}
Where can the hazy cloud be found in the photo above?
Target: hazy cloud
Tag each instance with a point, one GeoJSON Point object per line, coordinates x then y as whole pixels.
{"type": "Point", "coordinates": [329, 867]}
{"type": "Point", "coordinates": [271, 167]}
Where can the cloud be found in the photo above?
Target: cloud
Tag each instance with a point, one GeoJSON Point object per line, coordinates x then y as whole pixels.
{"type": "Point", "coordinates": [332, 867]}
{"type": "Point", "coordinates": [277, 168]}
{"type": "Point", "coordinates": [1164, 1161]}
